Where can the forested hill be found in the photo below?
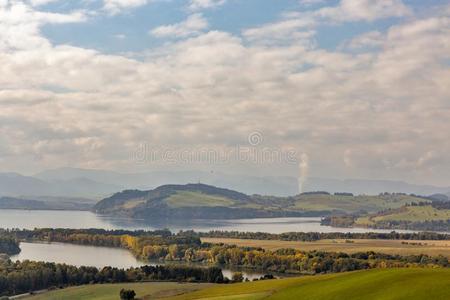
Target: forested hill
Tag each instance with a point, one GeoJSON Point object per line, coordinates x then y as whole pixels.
{"type": "Point", "coordinates": [190, 200]}
{"type": "Point", "coordinates": [206, 202]}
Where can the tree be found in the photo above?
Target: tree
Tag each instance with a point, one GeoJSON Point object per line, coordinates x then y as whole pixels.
{"type": "Point", "coordinates": [127, 294]}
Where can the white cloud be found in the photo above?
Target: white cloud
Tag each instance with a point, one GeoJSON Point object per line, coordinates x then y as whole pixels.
{"type": "Point", "coordinates": [116, 6]}
{"type": "Point", "coordinates": [193, 25]}
{"type": "Point", "coordinates": [364, 10]}
{"type": "Point", "coordinates": [289, 29]}
{"type": "Point", "coordinates": [366, 40]}
{"type": "Point", "coordinates": [203, 4]}
{"type": "Point", "coordinates": [380, 112]}
{"type": "Point", "coordinates": [20, 25]}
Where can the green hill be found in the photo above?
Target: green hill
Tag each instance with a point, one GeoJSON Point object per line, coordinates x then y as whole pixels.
{"type": "Point", "coordinates": [353, 204]}
{"type": "Point", "coordinates": [204, 201]}
{"type": "Point", "coordinates": [380, 284]}
{"type": "Point", "coordinates": [422, 217]}
{"type": "Point", "coordinates": [398, 284]}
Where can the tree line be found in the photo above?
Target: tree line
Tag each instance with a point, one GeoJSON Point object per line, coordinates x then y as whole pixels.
{"type": "Point", "coordinates": [187, 247]}
{"type": "Point", "coordinates": [316, 236]}
{"type": "Point", "coordinates": [27, 276]}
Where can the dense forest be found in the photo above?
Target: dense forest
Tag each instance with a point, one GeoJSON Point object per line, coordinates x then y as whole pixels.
{"type": "Point", "coordinates": [22, 277]}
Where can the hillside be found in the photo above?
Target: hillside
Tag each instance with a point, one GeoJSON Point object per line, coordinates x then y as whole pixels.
{"type": "Point", "coordinates": [149, 290]}
{"type": "Point", "coordinates": [407, 284]}
{"type": "Point", "coordinates": [353, 204]}
{"type": "Point", "coordinates": [387, 284]}
{"type": "Point", "coordinates": [422, 217]}
{"type": "Point", "coordinates": [187, 201]}
{"type": "Point", "coordinates": [204, 202]}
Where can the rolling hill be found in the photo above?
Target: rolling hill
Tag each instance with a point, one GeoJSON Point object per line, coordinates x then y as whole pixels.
{"type": "Point", "coordinates": [381, 284]}
{"type": "Point", "coordinates": [205, 202]}
{"type": "Point", "coordinates": [433, 216]}
{"type": "Point", "coordinates": [187, 201]}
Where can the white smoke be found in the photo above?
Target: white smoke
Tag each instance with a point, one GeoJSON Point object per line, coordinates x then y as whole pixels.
{"type": "Point", "coordinates": [303, 166]}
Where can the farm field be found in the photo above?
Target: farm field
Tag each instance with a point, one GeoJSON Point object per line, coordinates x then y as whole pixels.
{"type": "Point", "coordinates": [409, 247]}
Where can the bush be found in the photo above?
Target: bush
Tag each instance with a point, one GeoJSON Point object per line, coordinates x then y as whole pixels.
{"type": "Point", "coordinates": [127, 294]}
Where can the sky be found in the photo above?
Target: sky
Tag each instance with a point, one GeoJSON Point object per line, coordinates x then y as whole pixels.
{"type": "Point", "coordinates": [340, 89]}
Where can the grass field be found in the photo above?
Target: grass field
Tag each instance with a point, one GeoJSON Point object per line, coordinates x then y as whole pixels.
{"type": "Point", "coordinates": [417, 214]}
{"type": "Point", "coordinates": [388, 284]}
{"type": "Point", "coordinates": [195, 199]}
{"type": "Point", "coordinates": [381, 284]}
{"type": "Point", "coordinates": [370, 204]}
{"type": "Point", "coordinates": [432, 248]}
{"type": "Point", "coordinates": [149, 290]}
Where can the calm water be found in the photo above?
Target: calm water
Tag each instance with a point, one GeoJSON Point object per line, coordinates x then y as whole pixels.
{"type": "Point", "coordinates": [80, 255]}
{"type": "Point", "coordinates": [30, 219]}
{"type": "Point", "coordinates": [77, 255]}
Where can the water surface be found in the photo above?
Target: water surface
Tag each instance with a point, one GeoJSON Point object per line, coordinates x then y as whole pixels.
{"type": "Point", "coordinates": [30, 219]}
{"type": "Point", "coordinates": [81, 255]}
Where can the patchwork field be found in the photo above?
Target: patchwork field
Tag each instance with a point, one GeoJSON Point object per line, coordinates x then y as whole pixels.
{"type": "Point", "coordinates": [409, 247]}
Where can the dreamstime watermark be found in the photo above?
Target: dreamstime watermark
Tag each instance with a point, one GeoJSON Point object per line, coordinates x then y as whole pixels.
{"type": "Point", "coordinates": [254, 153]}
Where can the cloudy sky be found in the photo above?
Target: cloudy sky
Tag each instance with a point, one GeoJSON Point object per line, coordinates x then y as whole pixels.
{"type": "Point", "coordinates": [357, 88]}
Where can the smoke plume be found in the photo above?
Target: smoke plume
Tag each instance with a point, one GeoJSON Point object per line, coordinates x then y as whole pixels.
{"type": "Point", "coordinates": [304, 170]}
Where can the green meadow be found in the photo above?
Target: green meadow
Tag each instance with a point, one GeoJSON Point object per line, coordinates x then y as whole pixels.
{"type": "Point", "coordinates": [380, 284]}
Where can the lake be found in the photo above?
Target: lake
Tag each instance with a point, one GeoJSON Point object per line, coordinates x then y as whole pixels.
{"type": "Point", "coordinates": [81, 255]}
{"type": "Point", "coordinates": [30, 219]}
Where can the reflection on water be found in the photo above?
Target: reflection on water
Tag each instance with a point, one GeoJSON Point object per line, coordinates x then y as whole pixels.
{"type": "Point", "coordinates": [25, 219]}
{"type": "Point", "coordinates": [77, 255]}
{"type": "Point", "coordinates": [81, 255]}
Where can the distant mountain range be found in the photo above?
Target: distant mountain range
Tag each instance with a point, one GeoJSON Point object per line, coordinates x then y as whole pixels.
{"type": "Point", "coordinates": [97, 184]}
{"type": "Point", "coordinates": [17, 185]}
{"type": "Point", "coordinates": [46, 203]}
{"type": "Point", "coordinates": [372, 187]}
